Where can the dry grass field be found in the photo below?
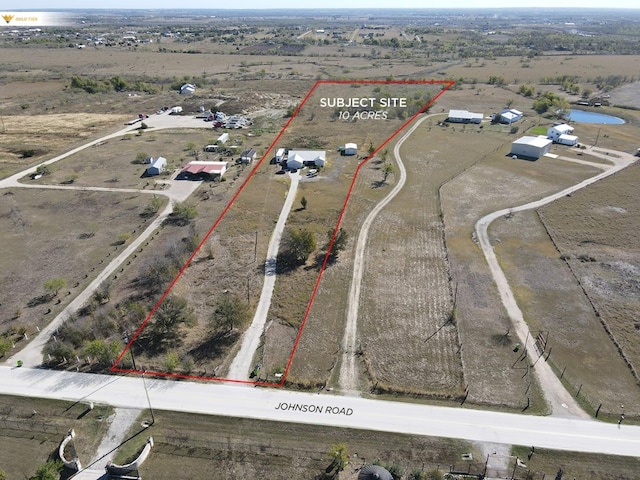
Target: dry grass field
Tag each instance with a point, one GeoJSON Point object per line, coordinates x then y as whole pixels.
{"type": "Point", "coordinates": [574, 264]}
{"type": "Point", "coordinates": [234, 262]}
{"type": "Point", "coordinates": [271, 82]}
{"type": "Point", "coordinates": [41, 241]}
{"type": "Point", "coordinates": [27, 140]}
{"type": "Point", "coordinates": [114, 163]}
{"type": "Point", "coordinates": [595, 231]}
{"type": "Point", "coordinates": [494, 182]}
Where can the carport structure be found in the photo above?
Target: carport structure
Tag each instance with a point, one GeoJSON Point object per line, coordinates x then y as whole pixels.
{"type": "Point", "coordinates": [203, 170]}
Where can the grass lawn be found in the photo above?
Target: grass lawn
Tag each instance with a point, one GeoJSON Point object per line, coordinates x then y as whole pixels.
{"type": "Point", "coordinates": [32, 430]}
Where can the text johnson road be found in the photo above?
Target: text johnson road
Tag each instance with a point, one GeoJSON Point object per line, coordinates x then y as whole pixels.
{"type": "Point", "coordinates": [310, 408]}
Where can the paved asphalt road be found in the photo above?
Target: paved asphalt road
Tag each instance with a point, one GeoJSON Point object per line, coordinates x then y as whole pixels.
{"type": "Point", "coordinates": [325, 409]}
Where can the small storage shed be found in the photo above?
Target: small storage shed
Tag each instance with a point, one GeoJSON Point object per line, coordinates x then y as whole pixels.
{"type": "Point", "coordinates": [156, 166]}
{"type": "Point", "coordinates": [248, 156]}
{"type": "Point", "coordinates": [531, 147]}
{"type": "Point", "coordinates": [350, 149]}
{"type": "Point", "coordinates": [187, 89]}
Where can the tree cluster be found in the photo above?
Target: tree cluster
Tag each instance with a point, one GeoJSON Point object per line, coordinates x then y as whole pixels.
{"type": "Point", "coordinates": [550, 101]}
{"type": "Point", "coordinates": [112, 84]}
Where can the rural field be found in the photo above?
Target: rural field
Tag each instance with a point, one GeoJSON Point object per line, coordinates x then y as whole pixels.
{"type": "Point", "coordinates": [248, 223]}
{"type": "Point", "coordinates": [431, 326]}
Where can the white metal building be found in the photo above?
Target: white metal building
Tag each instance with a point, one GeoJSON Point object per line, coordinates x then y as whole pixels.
{"type": "Point", "coordinates": [464, 116]}
{"type": "Point", "coordinates": [531, 147]}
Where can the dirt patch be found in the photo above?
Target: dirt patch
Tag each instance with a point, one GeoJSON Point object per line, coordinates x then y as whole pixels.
{"type": "Point", "coordinates": [42, 242]}
{"type": "Point", "coordinates": [627, 95]}
{"type": "Point", "coordinates": [28, 139]}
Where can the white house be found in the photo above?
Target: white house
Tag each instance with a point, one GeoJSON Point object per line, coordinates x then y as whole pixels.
{"type": "Point", "coordinates": [561, 133]}
{"type": "Point", "coordinates": [510, 116]}
{"type": "Point", "coordinates": [294, 160]}
{"type": "Point", "coordinates": [279, 155]}
{"type": "Point", "coordinates": [187, 89]}
{"type": "Point", "coordinates": [298, 158]}
{"type": "Point", "coordinates": [350, 149]}
{"type": "Point", "coordinates": [555, 131]}
{"type": "Point", "coordinates": [531, 147]}
{"type": "Point", "coordinates": [156, 166]}
{"type": "Point", "coordinates": [464, 116]}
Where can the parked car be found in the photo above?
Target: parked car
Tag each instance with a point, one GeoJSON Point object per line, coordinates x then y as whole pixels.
{"type": "Point", "coordinates": [281, 172]}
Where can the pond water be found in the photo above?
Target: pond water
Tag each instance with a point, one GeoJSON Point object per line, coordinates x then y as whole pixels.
{"type": "Point", "coordinates": [582, 116]}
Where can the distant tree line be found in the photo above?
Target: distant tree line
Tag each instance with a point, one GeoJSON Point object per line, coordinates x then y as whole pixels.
{"type": "Point", "coordinates": [112, 84]}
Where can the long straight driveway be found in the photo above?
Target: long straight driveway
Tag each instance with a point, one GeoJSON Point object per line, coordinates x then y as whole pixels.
{"type": "Point", "coordinates": [241, 365]}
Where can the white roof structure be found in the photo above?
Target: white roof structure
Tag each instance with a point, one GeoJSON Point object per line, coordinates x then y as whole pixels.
{"type": "Point", "coordinates": [350, 145]}
{"type": "Point", "coordinates": [568, 139]}
{"type": "Point", "coordinates": [539, 142]}
{"type": "Point", "coordinates": [187, 88]}
{"type": "Point", "coordinates": [562, 129]}
{"type": "Point", "coordinates": [215, 168]}
{"type": "Point", "coordinates": [511, 115]}
{"type": "Point", "coordinates": [465, 115]}
{"type": "Point", "coordinates": [308, 155]}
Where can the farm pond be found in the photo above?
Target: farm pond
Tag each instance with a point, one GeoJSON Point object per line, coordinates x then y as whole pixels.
{"type": "Point", "coordinates": [582, 116]}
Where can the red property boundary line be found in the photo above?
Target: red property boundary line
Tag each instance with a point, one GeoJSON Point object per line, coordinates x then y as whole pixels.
{"type": "Point", "coordinates": [447, 84]}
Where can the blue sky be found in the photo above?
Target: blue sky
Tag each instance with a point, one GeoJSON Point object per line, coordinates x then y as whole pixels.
{"type": "Point", "coordinates": [36, 5]}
